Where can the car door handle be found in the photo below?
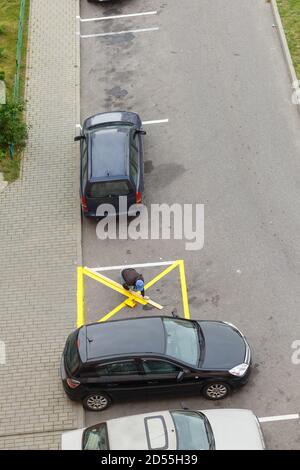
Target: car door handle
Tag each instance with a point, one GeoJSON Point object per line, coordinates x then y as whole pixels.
{"type": "Point", "coordinates": [152, 382]}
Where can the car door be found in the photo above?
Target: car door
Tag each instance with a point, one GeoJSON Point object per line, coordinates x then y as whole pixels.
{"type": "Point", "coordinates": [118, 378]}
{"type": "Point", "coordinates": [167, 377]}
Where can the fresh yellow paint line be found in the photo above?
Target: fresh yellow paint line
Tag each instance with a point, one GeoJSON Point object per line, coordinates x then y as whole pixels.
{"type": "Point", "coordinates": [80, 297]}
{"type": "Point", "coordinates": [186, 309]}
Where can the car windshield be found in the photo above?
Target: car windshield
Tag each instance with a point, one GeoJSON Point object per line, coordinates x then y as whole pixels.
{"type": "Point", "coordinates": [109, 188]}
{"type": "Point", "coordinates": [95, 438]}
{"type": "Point", "coordinates": [182, 340]}
{"type": "Point", "coordinates": [193, 431]}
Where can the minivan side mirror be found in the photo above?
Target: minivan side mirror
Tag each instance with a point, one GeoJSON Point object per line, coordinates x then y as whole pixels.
{"type": "Point", "coordinates": [78, 137]}
{"type": "Point", "coordinates": [141, 131]}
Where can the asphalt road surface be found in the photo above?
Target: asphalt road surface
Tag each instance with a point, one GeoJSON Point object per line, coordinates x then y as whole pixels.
{"type": "Point", "coordinates": [215, 70]}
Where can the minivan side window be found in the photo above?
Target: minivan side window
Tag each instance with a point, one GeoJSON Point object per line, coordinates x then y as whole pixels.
{"type": "Point", "coordinates": [84, 163]}
{"type": "Point", "coordinates": [134, 164]}
{"type": "Point", "coordinates": [160, 367]}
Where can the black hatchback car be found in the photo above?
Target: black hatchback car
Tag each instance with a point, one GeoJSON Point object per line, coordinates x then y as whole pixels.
{"type": "Point", "coordinates": [112, 162]}
{"type": "Point", "coordinates": [153, 355]}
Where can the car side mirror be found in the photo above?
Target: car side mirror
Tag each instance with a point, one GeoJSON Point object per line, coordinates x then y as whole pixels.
{"type": "Point", "coordinates": [184, 406]}
{"type": "Point", "coordinates": [141, 131]}
{"type": "Point", "coordinates": [78, 137]}
{"type": "Point", "coordinates": [174, 313]}
{"type": "Point", "coordinates": [181, 374]}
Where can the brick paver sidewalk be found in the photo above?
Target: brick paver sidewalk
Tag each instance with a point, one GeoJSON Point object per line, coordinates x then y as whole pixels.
{"type": "Point", "coordinates": [39, 245]}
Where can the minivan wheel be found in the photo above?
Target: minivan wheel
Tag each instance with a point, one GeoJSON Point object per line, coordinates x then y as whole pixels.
{"type": "Point", "coordinates": [216, 391]}
{"type": "Point", "coordinates": [96, 402]}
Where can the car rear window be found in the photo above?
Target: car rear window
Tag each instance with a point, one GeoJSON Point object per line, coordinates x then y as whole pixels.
{"type": "Point", "coordinates": [109, 188]}
{"type": "Point", "coordinates": [71, 353]}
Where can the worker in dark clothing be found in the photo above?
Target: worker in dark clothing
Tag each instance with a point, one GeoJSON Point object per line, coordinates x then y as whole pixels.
{"type": "Point", "coordinates": [132, 280]}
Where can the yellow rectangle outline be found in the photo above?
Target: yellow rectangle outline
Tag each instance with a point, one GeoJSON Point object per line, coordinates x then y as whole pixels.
{"type": "Point", "coordinates": [81, 271]}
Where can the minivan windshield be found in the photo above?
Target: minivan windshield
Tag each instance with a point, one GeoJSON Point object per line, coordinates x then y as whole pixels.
{"type": "Point", "coordinates": [182, 340]}
{"type": "Point", "coordinates": [95, 438]}
{"type": "Point", "coordinates": [109, 189]}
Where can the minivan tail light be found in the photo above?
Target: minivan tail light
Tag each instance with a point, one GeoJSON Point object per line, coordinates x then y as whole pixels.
{"type": "Point", "coordinates": [84, 204]}
{"type": "Point", "coordinates": [138, 197]}
{"type": "Point", "coordinates": [73, 383]}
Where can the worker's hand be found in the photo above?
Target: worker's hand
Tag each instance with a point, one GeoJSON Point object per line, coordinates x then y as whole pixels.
{"type": "Point", "coordinates": [146, 297]}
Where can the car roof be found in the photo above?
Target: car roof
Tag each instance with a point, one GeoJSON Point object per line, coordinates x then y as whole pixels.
{"type": "Point", "coordinates": [109, 151]}
{"type": "Point", "coordinates": [122, 337]}
{"type": "Point", "coordinates": [147, 431]}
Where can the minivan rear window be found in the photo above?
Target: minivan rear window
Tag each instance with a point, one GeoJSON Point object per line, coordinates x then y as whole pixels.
{"type": "Point", "coordinates": [72, 354]}
{"type": "Point", "coordinates": [109, 189]}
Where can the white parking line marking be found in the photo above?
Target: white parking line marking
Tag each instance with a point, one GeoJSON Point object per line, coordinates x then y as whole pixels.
{"type": "Point", "coordinates": [115, 17]}
{"type": "Point", "coordinates": [78, 126]}
{"type": "Point", "coordinates": [84, 36]}
{"type": "Point", "coordinates": [158, 121]}
{"type": "Point", "coordinates": [142, 265]}
{"type": "Point", "coordinates": [2, 353]}
{"type": "Point", "coordinates": [278, 418]}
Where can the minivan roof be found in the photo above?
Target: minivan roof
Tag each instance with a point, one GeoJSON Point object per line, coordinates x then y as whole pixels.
{"type": "Point", "coordinates": [121, 337]}
{"type": "Point", "coordinates": [109, 150]}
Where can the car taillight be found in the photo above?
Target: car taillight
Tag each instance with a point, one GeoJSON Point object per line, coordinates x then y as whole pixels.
{"type": "Point", "coordinates": [138, 197]}
{"type": "Point", "coordinates": [83, 204]}
{"type": "Point", "coordinates": [73, 383]}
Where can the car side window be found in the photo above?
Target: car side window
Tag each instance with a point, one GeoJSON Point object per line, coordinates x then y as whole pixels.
{"type": "Point", "coordinates": [160, 367]}
{"type": "Point", "coordinates": [112, 369]}
{"type": "Point", "coordinates": [123, 368]}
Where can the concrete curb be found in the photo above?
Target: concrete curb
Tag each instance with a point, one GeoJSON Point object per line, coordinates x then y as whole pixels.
{"type": "Point", "coordinates": [286, 52]}
{"type": "Point", "coordinates": [80, 412]}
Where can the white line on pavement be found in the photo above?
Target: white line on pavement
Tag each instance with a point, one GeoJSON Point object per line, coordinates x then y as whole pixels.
{"type": "Point", "coordinates": [278, 418]}
{"type": "Point", "coordinates": [142, 265]}
{"type": "Point", "coordinates": [85, 36]}
{"type": "Point", "coordinates": [2, 353]}
{"type": "Point", "coordinates": [159, 121]}
{"type": "Point", "coordinates": [115, 17]}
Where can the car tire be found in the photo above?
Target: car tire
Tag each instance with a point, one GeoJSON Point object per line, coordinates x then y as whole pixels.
{"type": "Point", "coordinates": [96, 402]}
{"type": "Point", "coordinates": [216, 390]}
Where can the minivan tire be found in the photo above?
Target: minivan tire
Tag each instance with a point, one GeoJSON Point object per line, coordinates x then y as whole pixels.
{"type": "Point", "coordinates": [96, 402]}
{"type": "Point", "coordinates": [216, 390]}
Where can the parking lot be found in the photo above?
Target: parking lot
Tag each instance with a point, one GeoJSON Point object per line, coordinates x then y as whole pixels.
{"type": "Point", "coordinates": [210, 84]}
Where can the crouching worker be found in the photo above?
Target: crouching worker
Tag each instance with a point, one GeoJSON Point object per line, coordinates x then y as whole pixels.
{"type": "Point", "coordinates": [132, 280]}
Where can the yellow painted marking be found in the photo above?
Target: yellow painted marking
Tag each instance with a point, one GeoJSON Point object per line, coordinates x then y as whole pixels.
{"type": "Point", "coordinates": [185, 301]}
{"type": "Point", "coordinates": [80, 297]}
{"type": "Point", "coordinates": [161, 275]}
{"type": "Point", "coordinates": [147, 286]}
{"type": "Point", "coordinates": [132, 296]}
{"type": "Point", "coordinates": [113, 312]}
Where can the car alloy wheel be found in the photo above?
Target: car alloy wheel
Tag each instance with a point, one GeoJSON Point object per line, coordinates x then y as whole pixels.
{"type": "Point", "coordinates": [97, 402]}
{"type": "Point", "coordinates": [216, 391]}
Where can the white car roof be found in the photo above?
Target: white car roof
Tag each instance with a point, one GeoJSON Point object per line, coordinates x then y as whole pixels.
{"type": "Point", "coordinates": [144, 431]}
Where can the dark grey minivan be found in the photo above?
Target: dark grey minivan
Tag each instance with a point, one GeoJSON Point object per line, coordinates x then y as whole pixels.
{"type": "Point", "coordinates": [112, 163]}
